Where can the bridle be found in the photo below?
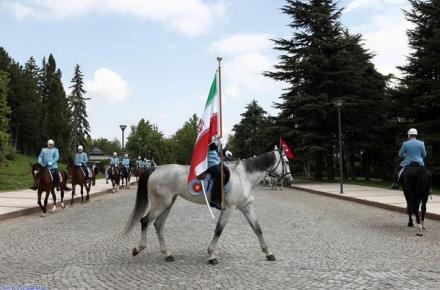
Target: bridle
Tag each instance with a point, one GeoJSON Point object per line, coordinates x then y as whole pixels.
{"type": "Point", "coordinates": [284, 172]}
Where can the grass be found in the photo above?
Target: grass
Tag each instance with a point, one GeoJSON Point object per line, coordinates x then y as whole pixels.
{"type": "Point", "coordinates": [16, 174]}
{"type": "Point", "coordinates": [373, 182]}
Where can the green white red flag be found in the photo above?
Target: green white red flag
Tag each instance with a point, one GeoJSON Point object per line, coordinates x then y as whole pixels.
{"type": "Point", "coordinates": [209, 129]}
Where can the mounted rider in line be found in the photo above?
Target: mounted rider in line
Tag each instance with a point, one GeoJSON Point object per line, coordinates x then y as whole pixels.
{"type": "Point", "coordinates": [413, 151]}
{"type": "Point", "coordinates": [49, 157]}
{"type": "Point", "coordinates": [114, 161]}
{"type": "Point", "coordinates": [81, 159]}
{"type": "Point", "coordinates": [147, 163]}
{"type": "Point", "coordinates": [126, 163]}
{"type": "Point", "coordinates": [139, 162]}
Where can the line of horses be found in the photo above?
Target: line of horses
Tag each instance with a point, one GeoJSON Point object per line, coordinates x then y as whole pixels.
{"type": "Point", "coordinates": [43, 181]}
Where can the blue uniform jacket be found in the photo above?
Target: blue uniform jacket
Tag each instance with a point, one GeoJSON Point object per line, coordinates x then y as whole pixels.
{"type": "Point", "coordinates": [49, 157]}
{"type": "Point", "coordinates": [114, 161]}
{"type": "Point", "coordinates": [413, 151]}
{"type": "Point", "coordinates": [126, 162]}
{"type": "Point", "coordinates": [213, 158]}
{"type": "Point", "coordinates": [81, 158]}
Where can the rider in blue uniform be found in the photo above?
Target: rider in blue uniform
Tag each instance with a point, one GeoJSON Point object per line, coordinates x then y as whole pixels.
{"type": "Point", "coordinates": [126, 163]}
{"type": "Point", "coordinates": [81, 159]}
{"type": "Point", "coordinates": [413, 151]}
{"type": "Point", "coordinates": [214, 169]}
{"type": "Point", "coordinates": [139, 162]}
{"type": "Point", "coordinates": [48, 158]}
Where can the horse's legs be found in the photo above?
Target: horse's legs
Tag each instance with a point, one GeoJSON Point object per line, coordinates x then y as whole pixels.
{"type": "Point", "coordinates": [62, 194]}
{"type": "Point", "coordinates": [39, 200]}
{"type": "Point", "coordinates": [88, 186]}
{"type": "Point", "coordinates": [424, 201]}
{"type": "Point", "coordinates": [54, 197]}
{"type": "Point", "coordinates": [45, 203]}
{"type": "Point", "coordinates": [249, 214]}
{"type": "Point", "coordinates": [73, 193]}
{"type": "Point", "coordinates": [416, 210]}
{"type": "Point", "coordinates": [82, 192]}
{"type": "Point", "coordinates": [159, 226]}
{"type": "Point", "coordinates": [222, 220]}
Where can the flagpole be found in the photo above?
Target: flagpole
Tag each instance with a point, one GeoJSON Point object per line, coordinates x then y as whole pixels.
{"type": "Point", "coordinates": [219, 59]}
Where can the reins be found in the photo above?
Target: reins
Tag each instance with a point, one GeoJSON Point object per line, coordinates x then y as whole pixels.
{"type": "Point", "coordinates": [284, 167]}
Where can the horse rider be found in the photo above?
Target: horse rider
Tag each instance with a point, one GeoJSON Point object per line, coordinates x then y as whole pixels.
{"type": "Point", "coordinates": [139, 162]}
{"type": "Point", "coordinates": [147, 163]}
{"type": "Point", "coordinates": [81, 159]}
{"type": "Point", "coordinates": [126, 163]}
{"type": "Point", "coordinates": [413, 151]}
{"type": "Point", "coordinates": [48, 158]}
{"type": "Point", "coordinates": [214, 169]}
{"type": "Point", "coordinates": [114, 161]}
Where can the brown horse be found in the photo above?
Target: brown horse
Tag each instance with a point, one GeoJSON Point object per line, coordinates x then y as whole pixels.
{"type": "Point", "coordinates": [114, 176]}
{"type": "Point", "coordinates": [137, 172]}
{"type": "Point", "coordinates": [94, 170]}
{"type": "Point", "coordinates": [77, 176]}
{"type": "Point", "coordinates": [125, 175]}
{"type": "Point", "coordinates": [44, 182]}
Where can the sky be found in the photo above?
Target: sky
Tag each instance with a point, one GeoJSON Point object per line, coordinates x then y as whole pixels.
{"type": "Point", "coordinates": [156, 59]}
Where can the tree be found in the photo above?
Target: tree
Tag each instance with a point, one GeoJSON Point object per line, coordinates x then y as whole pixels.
{"type": "Point", "coordinates": [106, 146]}
{"type": "Point", "coordinates": [55, 110]}
{"type": "Point", "coordinates": [182, 142]}
{"type": "Point", "coordinates": [322, 62]}
{"type": "Point", "coordinates": [4, 113]}
{"type": "Point", "coordinates": [77, 105]}
{"type": "Point", "coordinates": [249, 135]}
{"type": "Point", "coordinates": [418, 95]}
{"type": "Point", "coordinates": [146, 140]}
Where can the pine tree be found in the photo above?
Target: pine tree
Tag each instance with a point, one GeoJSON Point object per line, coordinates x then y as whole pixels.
{"type": "Point", "coordinates": [323, 62]}
{"type": "Point", "coordinates": [4, 113]}
{"type": "Point", "coordinates": [418, 97]}
{"type": "Point", "coordinates": [249, 134]}
{"type": "Point", "coordinates": [77, 105]}
{"type": "Point", "coordinates": [55, 110]}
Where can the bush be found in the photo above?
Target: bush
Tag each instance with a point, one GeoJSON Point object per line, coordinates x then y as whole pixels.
{"type": "Point", "coordinates": [11, 157]}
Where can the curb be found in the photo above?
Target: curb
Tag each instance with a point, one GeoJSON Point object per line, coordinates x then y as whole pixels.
{"type": "Point", "coordinates": [31, 210]}
{"type": "Point", "coordinates": [391, 207]}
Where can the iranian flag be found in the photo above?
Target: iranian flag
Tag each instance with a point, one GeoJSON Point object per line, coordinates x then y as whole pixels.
{"type": "Point", "coordinates": [209, 129]}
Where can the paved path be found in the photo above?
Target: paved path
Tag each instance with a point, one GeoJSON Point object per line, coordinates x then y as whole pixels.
{"type": "Point", "coordinates": [21, 202]}
{"type": "Point", "coordinates": [385, 198]}
{"type": "Point", "coordinates": [319, 242]}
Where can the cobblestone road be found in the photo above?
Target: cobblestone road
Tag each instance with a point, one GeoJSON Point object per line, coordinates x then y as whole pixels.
{"type": "Point", "coordinates": [319, 242]}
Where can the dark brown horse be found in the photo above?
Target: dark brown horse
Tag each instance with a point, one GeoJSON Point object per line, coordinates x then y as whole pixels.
{"type": "Point", "coordinates": [114, 176]}
{"type": "Point", "coordinates": [77, 176]}
{"type": "Point", "coordinates": [137, 172]}
{"type": "Point", "coordinates": [94, 170]}
{"type": "Point", "coordinates": [125, 175]}
{"type": "Point", "coordinates": [44, 182]}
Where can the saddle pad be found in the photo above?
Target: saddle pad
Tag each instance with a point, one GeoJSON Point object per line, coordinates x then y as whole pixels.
{"type": "Point", "coordinates": [195, 187]}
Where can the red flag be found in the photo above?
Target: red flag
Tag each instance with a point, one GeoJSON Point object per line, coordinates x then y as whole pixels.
{"type": "Point", "coordinates": [289, 153]}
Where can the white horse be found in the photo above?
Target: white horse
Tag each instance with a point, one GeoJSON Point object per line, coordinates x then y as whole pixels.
{"type": "Point", "coordinates": [158, 190]}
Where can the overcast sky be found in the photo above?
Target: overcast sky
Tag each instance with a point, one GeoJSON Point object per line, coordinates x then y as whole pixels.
{"type": "Point", "coordinates": [155, 59]}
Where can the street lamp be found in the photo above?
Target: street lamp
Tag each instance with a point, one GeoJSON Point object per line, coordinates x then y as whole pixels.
{"type": "Point", "coordinates": [75, 101]}
{"type": "Point", "coordinates": [122, 128]}
{"type": "Point", "coordinates": [339, 103]}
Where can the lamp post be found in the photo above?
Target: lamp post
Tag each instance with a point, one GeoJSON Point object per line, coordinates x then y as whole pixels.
{"type": "Point", "coordinates": [122, 128]}
{"type": "Point", "coordinates": [339, 103]}
{"type": "Point", "coordinates": [75, 101]}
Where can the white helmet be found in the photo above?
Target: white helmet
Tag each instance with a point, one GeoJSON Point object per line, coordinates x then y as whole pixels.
{"type": "Point", "coordinates": [115, 154]}
{"type": "Point", "coordinates": [80, 148]}
{"type": "Point", "coordinates": [139, 157]}
{"type": "Point", "coordinates": [126, 155]}
{"type": "Point", "coordinates": [412, 131]}
{"type": "Point", "coordinates": [228, 153]}
{"type": "Point", "coordinates": [50, 142]}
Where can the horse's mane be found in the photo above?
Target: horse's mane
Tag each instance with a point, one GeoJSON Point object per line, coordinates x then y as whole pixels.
{"type": "Point", "coordinates": [260, 163]}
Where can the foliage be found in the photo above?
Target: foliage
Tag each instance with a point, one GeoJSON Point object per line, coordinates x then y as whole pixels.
{"type": "Point", "coordinates": [4, 113]}
{"type": "Point", "coordinates": [106, 146]}
{"type": "Point", "coordinates": [182, 142]}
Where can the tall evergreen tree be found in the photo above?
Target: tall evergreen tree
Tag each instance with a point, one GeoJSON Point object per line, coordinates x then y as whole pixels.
{"type": "Point", "coordinates": [4, 113]}
{"type": "Point", "coordinates": [323, 62]}
{"type": "Point", "coordinates": [419, 91]}
{"type": "Point", "coordinates": [56, 114]}
{"type": "Point", "coordinates": [249, 133]}
{"type": "Point", "coordinates": [77, 104]}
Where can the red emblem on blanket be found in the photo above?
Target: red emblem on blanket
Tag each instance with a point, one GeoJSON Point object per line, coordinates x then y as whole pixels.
{"type": "Point", "coordinates": [197, 187]}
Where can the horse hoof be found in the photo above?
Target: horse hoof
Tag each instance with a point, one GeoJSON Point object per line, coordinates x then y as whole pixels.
{"type": "Point", "coordinates": [271, 257]}
{"type": "Point", "coordinates": [213, 261]}
{"type": "Point", "coordinates": [134, 252]}
{"type": "Point", "coordinates": [170, 258]}
{"type": "Point", "coordinates": [419, 234]}
{"type": "Point", "coordinates": [43, 214]}
{"type": "Point", "coordinates": [54, 208]}
{"type": "Point", "coordinates": [410, 224]}
{"type": "Point", "coordinates": [62, 205]}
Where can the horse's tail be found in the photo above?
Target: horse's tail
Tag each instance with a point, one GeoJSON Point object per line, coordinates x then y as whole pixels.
{"type": "Point", "coordinates": [141, 203]}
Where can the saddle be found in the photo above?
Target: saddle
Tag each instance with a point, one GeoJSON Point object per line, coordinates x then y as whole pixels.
{"type": "Point", "coordinates": [195, 187]}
